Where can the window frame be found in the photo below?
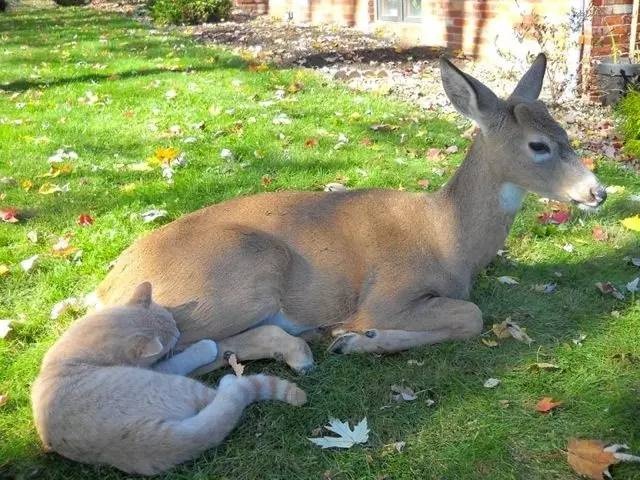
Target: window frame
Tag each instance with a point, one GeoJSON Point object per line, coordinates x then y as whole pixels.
{"type": "Point", "coordinates": [403, 14]}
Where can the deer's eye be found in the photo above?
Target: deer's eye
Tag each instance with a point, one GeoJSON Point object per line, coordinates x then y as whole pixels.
{"type": "Point", "coordinates": [539, 148]}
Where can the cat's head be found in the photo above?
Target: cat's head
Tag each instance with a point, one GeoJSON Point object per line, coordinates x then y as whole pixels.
{"type": "Point", "coordinates": [138, 332]}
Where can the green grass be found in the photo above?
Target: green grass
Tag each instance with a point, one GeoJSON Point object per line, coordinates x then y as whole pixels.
{"type": "Point", "coordinates": [48, 60]}
{"type": "Point", "coordinates": [629, 113]}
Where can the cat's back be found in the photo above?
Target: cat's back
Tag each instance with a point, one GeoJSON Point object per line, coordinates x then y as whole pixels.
{"type": "Point", "coordinates": [91, 414]}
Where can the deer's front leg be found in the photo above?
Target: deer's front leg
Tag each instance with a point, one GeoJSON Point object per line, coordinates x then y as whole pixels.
{"type": "Point", "coordinates": [422, 322]}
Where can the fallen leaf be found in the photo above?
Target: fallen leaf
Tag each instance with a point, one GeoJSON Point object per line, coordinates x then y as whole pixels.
{"type": "Point", "coordinates": [402, 394]}
{"type": "Point", "coordinates": [26, 185]}
{"type": "Point", "coordinates": [599, 234]}
{"type": "Point", "coordinates": [632, 286]}
{"type": "Point", "coordinates": [434, 153]}
{"type": "Point", "coordinates": [519, 333]}
{"type": "Point", "coordinates": [151, 215]}
{"type": "Point", "coordinates": [567, 247]}
{"type": "Point", "coordinates": [546, 404]}
{"type": "Point", "coordinates": [32, 236]}
{"type": "Point", "coordinates": [592, 458]}
{"type": "Point", "coordinates": [29, 263]}
{"type": "Point", "coordinates": [5, 328]}
{"type": "Point", "coordinates": [452, 149]}
{"type": "Point", "coordinates": [346, 438]}
{"type": "Point", "coordinates": [281, 119]}
{"type": "Point", "coordinates": [10, 215]}
{"type": "Point", "coordinates": [3, 269]}
{"type": "Point", "coordinates": [311, 142]}
{"type": "Point", "coordinates": [397, 446]}
{"type": "Point", "coordinates": [139, 167]}
{"type": "Point", "coordinates": [237, 367]}
{"type": "Point", "coordinates": [266, 180]}
{"type": "Point", "coordinates": [84, 220]}
{"type": "Point", "coordinates": [423, 183]}
{"type": "Point", "coordinates": [546, 287]}
{"type": "Point", "coordinates": [607, 288]}
{"type": "Point", "coordinates": [556, 217]}
{"type": "Point", "coordinates": [509, 329]}
{"type": "Point", "coordinates": [50, 188]}
{"type": "Point", "coordinates": [632, 223]}
{"type": "Point", "coordinates": [489, 343]}
{"type": "Point", "coordinates": [504, 403]}
{"type": "Point", "coordinates": [415, 362]}
{"type": "Point", "coordinates": [3, 399]}
{"type": "Point", "coordinates": [635, 261]}
{"type": "Point", "coordinates": [491, 383]}
{"type": "Point", "coordinates": [578, 341]}
{"type": "Point", "coordinates": [508, 280]}
{"type": "Point", "coordinates": [64, 306]}
{"type": "Point", "coordinates": [335, 187]}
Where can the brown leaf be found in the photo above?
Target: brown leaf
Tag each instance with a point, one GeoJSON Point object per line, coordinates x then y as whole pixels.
{"type": "Point", "coordinates": [424, 183]}
{"type": "Point", "coordinates": [3, 399]}
{"type": "Point", "coordinates": [237, 367]}
{"type": "Point", "coordinates": [10, 215]}
{"type": "Point", "coordinates": [366, 141]}
{"type": "Point", "coordinates": [592, 458]}
{"type": "Point", "coordinates": [489, 343]}
{"type": "Point", "coordinates": [543, 366]}
{"type": "Point", "coordinates": [607, 288]}
{"type": "Point", "coordinates": [266, 180]}
{"type": "Point", "coordinates": [311, 142]}
{"type": "Point", "coordinates": [546, 404]}
{"type": "Point", "coordinates": [599, 234]}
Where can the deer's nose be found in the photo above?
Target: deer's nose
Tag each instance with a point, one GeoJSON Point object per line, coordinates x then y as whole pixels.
{"type": "Point", "coordinates": [599, 194]}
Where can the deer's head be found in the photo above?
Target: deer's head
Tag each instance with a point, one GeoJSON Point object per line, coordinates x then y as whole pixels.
{"type": "Point", "coordinates": [523, 144]}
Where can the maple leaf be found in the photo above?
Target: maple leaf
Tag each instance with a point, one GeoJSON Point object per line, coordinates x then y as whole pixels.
{"type": "Point", "coordinates": [592, 458]}
{"type": "Point", "coordinates": [546, 404]}
{"type": "Point", "coordinates": [632, 223]}
{"type": "Point", "coordinates": [84, 220]}
{"type": "Point", "coordinates": [346, 438]}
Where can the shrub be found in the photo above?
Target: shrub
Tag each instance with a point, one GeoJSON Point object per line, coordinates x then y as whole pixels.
{"type": "Point", "coordinates": [189, 11]}
{"type": "Point", "coordinates": [628, 111]}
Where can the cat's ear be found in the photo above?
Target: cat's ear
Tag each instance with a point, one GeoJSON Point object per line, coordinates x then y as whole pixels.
{"type": "Point", "coordinates": [147, 347]}
{"type": "Point", "coordinates": [141, 295]}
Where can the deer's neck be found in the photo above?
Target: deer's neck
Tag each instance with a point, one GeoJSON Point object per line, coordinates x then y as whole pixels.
{"type": "Point", "coordinates": [482, 206]}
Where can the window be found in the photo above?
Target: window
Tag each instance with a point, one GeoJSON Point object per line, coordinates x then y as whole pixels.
{"type": "Point", "coordinates": [400, 10]}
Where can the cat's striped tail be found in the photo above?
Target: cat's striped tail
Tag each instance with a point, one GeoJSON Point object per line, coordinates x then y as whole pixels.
{"type": "Point", "coordinates": [254, 388]}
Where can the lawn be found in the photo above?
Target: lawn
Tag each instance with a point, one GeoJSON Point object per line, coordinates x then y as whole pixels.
{"type": "Point", "coordinates": [115, 92]}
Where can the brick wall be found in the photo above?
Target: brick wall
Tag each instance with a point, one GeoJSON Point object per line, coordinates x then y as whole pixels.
{"type": "Point", "coordinates": [611, 25]}
{"type": "Point", "coordinates": [256, 7]}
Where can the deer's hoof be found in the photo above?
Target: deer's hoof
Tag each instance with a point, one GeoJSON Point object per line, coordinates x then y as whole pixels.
{"type": "Point", "coordinates": [342, 344]}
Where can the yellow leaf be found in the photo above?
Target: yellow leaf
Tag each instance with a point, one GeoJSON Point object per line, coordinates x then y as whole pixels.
{"type": "Point", "coordinates": [26, 185]}
{"type": "Point", "coordinates": [3, 269]}
{"type": "Point", "coordinates": [165, 155]}
{"type": "Point", "coordinates": [57, 170]}
{"type": "Point", "coordinates": [489, 343]}
{"type": "Point", "coordinates": [49, 188]}
{"type": "Point", "coordinates": [128, 187]}
{"type": "Point", "coordinates": [632, 223]}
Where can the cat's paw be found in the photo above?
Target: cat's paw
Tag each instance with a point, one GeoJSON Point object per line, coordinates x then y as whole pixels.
{"type": "Point", "coordinates": [206, 349]}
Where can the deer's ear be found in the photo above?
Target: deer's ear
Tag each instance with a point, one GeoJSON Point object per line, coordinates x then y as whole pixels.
{"type": "Point", "coordinates": [469, 96]}
{"type": "Point", "coordinates": [530, 85]}
{"type": "Point", "coordinates": [141, 295]}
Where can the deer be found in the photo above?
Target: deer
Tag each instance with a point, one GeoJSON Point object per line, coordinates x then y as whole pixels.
{"type": "Point", "coordinates": [376, 270]}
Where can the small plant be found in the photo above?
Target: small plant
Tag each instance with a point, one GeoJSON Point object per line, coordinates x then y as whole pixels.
{"type": "Point", "coordinates": [189, 11]}
{"type": "Point", "coordinates": [628, 111]}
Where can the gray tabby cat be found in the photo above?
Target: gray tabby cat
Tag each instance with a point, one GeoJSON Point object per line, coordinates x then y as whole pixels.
{"type": "Point", "coordinates": [103, 397]}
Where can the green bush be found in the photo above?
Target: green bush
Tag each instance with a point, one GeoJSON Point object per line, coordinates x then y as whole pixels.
{"type": "Point", "coordinates": [71, 3]}
{"type": "Point", "coordinates": [189, 11]}
{"type": "Point", "coordinates": [629, 114]}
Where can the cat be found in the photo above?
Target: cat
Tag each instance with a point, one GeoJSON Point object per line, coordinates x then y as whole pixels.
{"type": "Point", "coordinates": [103, 396]}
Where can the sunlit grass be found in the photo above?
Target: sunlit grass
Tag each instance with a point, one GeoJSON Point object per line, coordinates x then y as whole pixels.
{"type": "Point", "coordinates": [52, 59]}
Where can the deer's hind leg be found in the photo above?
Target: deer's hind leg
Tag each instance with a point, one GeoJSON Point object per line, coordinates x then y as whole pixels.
{"type": "Point", "coordinates": [267, 341]}
{"type": "Point", "coordinates": [397, 327]}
